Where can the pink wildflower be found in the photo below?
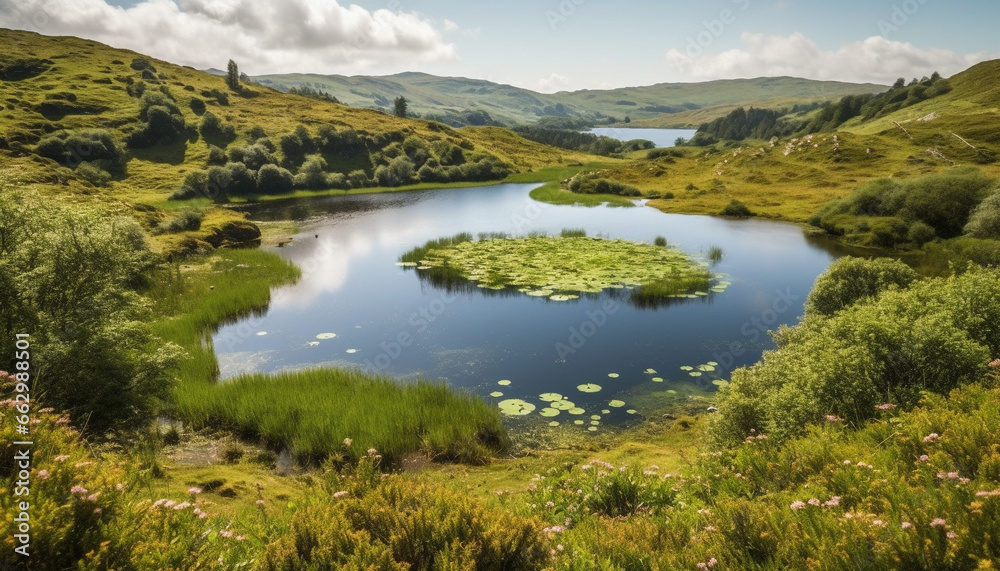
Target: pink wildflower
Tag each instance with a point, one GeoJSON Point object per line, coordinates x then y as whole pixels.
{"type": "Point", "coordinates": [62, 458]}
{"type": "Point", "coordinates": [951, 535]}
{"type": "Point", "coordinates": [43, 474]}
{"type": "Point", "coordinates": [194, 490]}
{"type": "Point", "coordinates": [886, 406]}
{"type": "Point", "coordinates": [907, 525]}
{"type": "Point", "coordinates": [340, 494]}
{"type": "Point", "coordinates": [348, 442]}
{"type": "Point", "coordinates": [814, 502]}
{"type": "Point", "coordinates": [995, 363]}
{"type": "Point", "coordinates": [182, 505]}
{"type": "Point", "coordinates": [833, 418]}
{"type": "Point", "coordinates": [80, 490]}
{"type": "Point", "coordinates": [832, 502]}
{"type": "Point", "coordinates": [939, 522]}
{"type": "Point", "coordinates": [225, 533]}
{"type": "Point", "coordinates": [932, 437]}
{"type": "Point", "coordinates": [797, 505]}
{"type": "Point", "coordinates": [120, 487]}
{"type": "Point", "coordinates": [93, 497]}
{"type": "Point", "coordinates": [260, 503]}
{"type": "Point", "coordinates": [924, 458]}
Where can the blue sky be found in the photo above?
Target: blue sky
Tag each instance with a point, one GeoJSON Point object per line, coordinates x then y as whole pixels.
{"type": "Point", "coordinates": [545, 45]}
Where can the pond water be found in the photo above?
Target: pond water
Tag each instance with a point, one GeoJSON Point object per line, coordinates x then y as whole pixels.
{"type": "Point", "coordinates": [660, 137]}
{"type": "Point", "coordinates": [388, 320]}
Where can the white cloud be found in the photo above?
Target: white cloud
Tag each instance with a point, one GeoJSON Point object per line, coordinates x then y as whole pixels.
{"type": "Point", "coordinates": [875, 59]}
{"type": "Point", "coordinates": [264, 37]}
{"type": "Point", "coordinates": [553, 83]}
{"type": "Point", "coordinates": [450, 26]}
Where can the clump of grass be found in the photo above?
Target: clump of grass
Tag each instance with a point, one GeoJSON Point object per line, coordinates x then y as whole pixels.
{"type": "Point", "coordinates": [737, 209]}
{"type": "Point", "coordinates": [573, 233]}
{"type": "Point", "coordinates": [312, 412]}
{"type": "Point", "coordinates": [715, 254]}
{"type": "Point", "coordinates": [419, 253]}
{"type": "Point", "coordinates": [660, 241]}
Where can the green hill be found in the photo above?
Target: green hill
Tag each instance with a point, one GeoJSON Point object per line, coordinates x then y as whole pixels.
{"type": "Point", "coordinates": [664, 104]}
{"type": "Point", "coordinates": [92, 122]}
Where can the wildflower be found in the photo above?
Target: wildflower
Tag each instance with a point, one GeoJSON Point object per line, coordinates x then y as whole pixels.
{"type": "Point", "coordinates": [713, 562]}
{"type": "Point", "coordinates": [995, 363]}
{"type": "Point", "coordinates": [78, 490]}
{"type": "Point", "coordinates": [559, 547]}
{"type": "Point", "coordinates": [938, 522]}
{"type": "Point", "coordinates": [194, 490]}
{"type": "Point", "coordinates": [43, 474]}
{"type": "Point", "coordinates": [989, 494]}
{"type": "Point", "coordinates": [372, 452]}
{"type": "Point", "coordinates": [832, 502]}
{"type": "Point", "coordinates": [159, 503]}
{"type": "Point", "coordinates": [878, 523]}
{"type": "Point", "coordinates": [62, 458]}
{"type": "Point", "coordinates": [907, 525]}
{"type": "Point", "coordinates": [702, 566]}
{"type": "Point", "coordinates": [93, 497]}
{"type": "Point", "coordinates": [182, 505]}
{"type": "Point", "coordinates": [797, 505]}
{"type": "Point", "coordinates": [532, 487]}
{"type": "Point", "coordinates": [814, 502]}
{"type": "Point", "coordinates": [833, 418]}
{"type": "Point", "coordinates": [348, 442]}
{"type": "Point", "coordinates": [46, 410]}
{"type": "Point", "coordinates": [964, 480]}
{"type": "Point", "coordinates": [710, 528]}
{"type": "Point", "coordinates": [260, 503]}
{"type": "Point", "coordinates": [550, 504]}
{"type": "Point", "coordinates": [924, 458]}
{"type": "Point", "coordinates": [169, 504]}
{"type": "Point", "coordinates": [951, 535]}
{"type": "Point", "coordinates": [199, 513]}
{"type": "Point", "coordinates": [932, 437]}
{"type": "Point", "coordinates": [225, 533]}
{"type": "Point", "coordinates": [240, 537]}
{"type": "Point", "coordinates": [62, 420]}
{"type": "Point", "coordinates": [340, 494]}
{"type": "Point", "coordinates": [98, 510]}
{"type": "Point", "coordinates": [886, 406]}
{"type": "Point", "coordinates": [847, 462]}
{"type": "Point", "coordinates": [649, 473]}
{"type": "Point", "coordinates": [120, 487]}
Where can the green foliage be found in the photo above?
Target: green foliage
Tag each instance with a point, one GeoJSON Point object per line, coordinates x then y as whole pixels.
{"type": "Point", "coordinates": [743, 124]}
{"type": "Point", "coordinates": [985, 219]}
{"type": "Point", "coordinates": [401, 525]}
{"type": "Point", "coordinates": [233, 76]}
{"type": "Point", "coordinates": [272, 179]}
{"type": "Point", "coordinates": [398, 172]}
{"type": "Point", "coordinates": [215, 131]}
{"type": "Point", "coordinates": [882, 212]}
{"type": "Point", "coordinates": [164, 122]}
{"type": "Point", "coordinates": [593, 184]}
{"type": "Point", "coordinates": [93, 174]}
{"type": "Point", "coordinates": [307, 91]}
{"type": "Point", "coordinates": [737, 209]}
{"type": "Point", "coordinates": [69, 279]}
{"type": "Point", "coordinates": [572, 139]}
{"type": "Point", "coordinates": [312, 175]}
{"type": "Point", "coordinates": [934, 336]}
{"type": "Point", "coordinates": [198, 106]}
{"type": "Point", "coordinates": [97, 147]}
{"type": "Point", "coordinates": [850, 280]}
{"type": "Point", "coordinates": [660, 241]}
{"type": "Point", "coordinates": [400, 106]}
{"type": "Point", "coordinates": [186, 221]}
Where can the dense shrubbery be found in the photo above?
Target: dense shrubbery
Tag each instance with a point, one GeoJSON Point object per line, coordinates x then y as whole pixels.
{"type": "Point", "coordinates": [594, 184]}
{"type": "Point", "coordinates": [985, 219]}
{"type": "Point", "coordinates": [890, 212]}
{"type": "Point", "coordinates": [849, 280]}
{"type": "Point", "coordinates": [745, 124]}
{"type": "Point", "coordinates": [97, 148]}
{"type": "Point", "coordinates": [934, 336]}
{"type": "Point", "coordinates": [737, 209]}
{"type": "Point", "coordinates": [69, 277]}
{"type": "Point", "coordinates": [583, 142]}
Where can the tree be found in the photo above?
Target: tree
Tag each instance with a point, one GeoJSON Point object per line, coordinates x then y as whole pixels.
{"type": "Point", "coordinates": [233, 76]}
{"type": "Point", "coordinates": [850, 280]}
{"type": "Point", "coordinates": [401, 106]}
{"type": "Point", "coordinates": [628, 119]}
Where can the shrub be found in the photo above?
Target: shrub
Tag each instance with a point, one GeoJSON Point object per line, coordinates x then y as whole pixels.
{"type": "Point", "coordinates": [213, 129]}
{"type": "Point", "coordinates": [312, 175]}
{"type": "Point", "coordinates": [850, 280]}
{"type": "Point", "coordinates": [737, 209]}
{"type": "Point", "coordinates": [921, 233]}
{"type": "Point", "coordinates": [272, 179]}
{"type": "Point", "coordinates": [216, 155]}
{"type": "Point", "coordinates": [197, 106]}
{"type": "Point", "coordinates": [398, 172]}
{"type": "Point", "coordinates": [93, 174]}
{"type": "Point", "coordinates": [358, 179]}
{"type": "Point", "coordinates": [985, 219]}
{"type": "Point", "coordinates": [660, 241]}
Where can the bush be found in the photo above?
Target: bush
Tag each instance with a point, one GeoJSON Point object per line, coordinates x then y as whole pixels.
{"type": "Point", "coordinates": [985, 219]}
{"type": "Point", "coordinates": [358, 179]}
{"type": "Point", "coordinates": [921, 233]}
{"type": "Point", "coordinates": [398, 172]}
{"type": "Point", "coordinates": [660, 241]}
{"type": "Point", "coordinates": [216, 155]}
{"type": "Point", "coordinates": [93, 174]}
{"type": "Point", "coordinates": [312, 175]}
{"type": "Point", "coordinates": [935, 336]}
{"type": "Point", "coordinates": [737, 209]}
{"type": "Point", "coordinates": [850, 280]}
{"type": "Point", "coordinates": [254, 156]}
{"type": "Point", "coordinates": [272, 179]}
{"type": "Point", "coordinates": [98, 147]}
{"type": "Point", "coordinates": [213, 129]}
{"type": "Point", "coordinates": [197, 106]}
{"type": "Point", "coordinates": [70, 279]}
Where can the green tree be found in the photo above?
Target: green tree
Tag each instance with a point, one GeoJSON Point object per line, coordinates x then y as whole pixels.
{"type": "Point", "coordinates": [400, 106]}
{"type": "Point", "coordinates": [233, 76]}
{"type": "Point", "coordinates": [985, 219]}
{"type": "Point", "coordinates": [849, 280]}
{"type": "Point", "coordinates": [69, 278]}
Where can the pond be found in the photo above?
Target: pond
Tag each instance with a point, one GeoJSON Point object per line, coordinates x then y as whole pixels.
{"type": "Point", "coordinates": [388, 320]}
{"type": "Point", "coordinates": [660, 137]}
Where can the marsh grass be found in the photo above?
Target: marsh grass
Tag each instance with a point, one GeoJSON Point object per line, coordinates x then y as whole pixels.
{"type": "Point", "coordinates": [715, 254]}
{"type": "Point", "coordinates": [419, 253]}
{"type": "Point", "coordinates": [314, 411]}
{"type": "Point", "coordinates": [573, 233]}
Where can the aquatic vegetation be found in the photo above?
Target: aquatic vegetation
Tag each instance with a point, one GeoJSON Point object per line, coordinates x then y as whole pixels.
{"type": "Point", "coordinates": [589, 388]}
{"type": "Point", "coordinates": [326, 336]}
{"type": "Point", "coordinates": [516, 407]}
{"type": "Point", "coordinates": [715, 254]}
{"type": "Point", "coordinates": [561, 268]}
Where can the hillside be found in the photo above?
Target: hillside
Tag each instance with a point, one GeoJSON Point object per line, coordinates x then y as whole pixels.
{"type": "Point", "coordinates": [791, 178]}
{"type": "Point", "coordinates": [661, 105]}
{"type": "Point", "coordinates": [87, 120]}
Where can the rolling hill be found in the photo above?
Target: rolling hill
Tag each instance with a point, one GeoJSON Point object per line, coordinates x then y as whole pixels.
{"type": "Point", "coordinates": [663, 105]}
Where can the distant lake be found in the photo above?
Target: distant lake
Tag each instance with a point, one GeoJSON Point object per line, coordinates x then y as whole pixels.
{"type": "Point", "coordinates": [388, 320]}
{"type": "Point", "coordinates": [660, 137]}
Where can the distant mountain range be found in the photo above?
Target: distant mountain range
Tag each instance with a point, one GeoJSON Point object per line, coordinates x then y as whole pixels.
{"type": "Point", "coordinates": [461, 101]}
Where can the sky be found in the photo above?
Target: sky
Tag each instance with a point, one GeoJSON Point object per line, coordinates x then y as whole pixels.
{"type": "Point", "coordinates": [544, 45]}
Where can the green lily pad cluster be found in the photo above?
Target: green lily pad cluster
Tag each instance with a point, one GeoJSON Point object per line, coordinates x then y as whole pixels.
{"type": "Point", "coordinates": [562, 268]}
{"type": "Point", "coordinates": [556, 405]}
{"type": "Point", "coordinates": [700, 369]}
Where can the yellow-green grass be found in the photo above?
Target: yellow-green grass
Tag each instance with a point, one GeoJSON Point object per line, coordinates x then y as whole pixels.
{"type": "Point", "coordinates": [552, 192]}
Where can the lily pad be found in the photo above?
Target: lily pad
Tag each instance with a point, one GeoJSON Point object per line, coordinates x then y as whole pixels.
{"type": "Point", "coordinates": [650, 371]}
{"type": "Point", "coordinates": [326, 336]}
{"type": "Point", "coordinates": [312, 343]}
{"type": "Point", "coordinates": [562, 405]}
{"type": "Point", "coordinates": [613, 375]}
{"type": "Point", "coordinates": [554, 423]}
{"type": "Point", "coordinates": [706, 368]}
{"type": "Point", "coordinates": [548, 412]}
{"type": "Point", "coordinates": [578, 422]}
{"type": "Point", "coordinates": [687, 368]}
{"type": "Point", "coordinates": [503, 383]}
{"type": "Point", "coordinates": [595, 422]}
{"type": "Point", "coordinates": [616, 403]}
{"type": "Point", "coordinates": [515, 407]}
{"type": "Point", "coordinates": [631, 411]}
{"type": "Point", "coordinates": [720, 383]}
{"type": "Point", "coordinates": [592, 428]}
{"type": "Point", "coordinates": [595, 417]}
{"type": "Point", "coordinates": [712, 363]}
{"type": "Point", "coordinates": [695, 373]}
{"type": "Point", "coordinates": [589, 388]}
{"type": "Point", "coordinates": [496, 394]}
{"type": "Point", "coordinates": [576, 410]}
{"type": "Point", "coordinates": [657, 379]}
{"type": "Point", "coordinates": [605, 411]}
{"type": "Point", "coordinates": [550, 397]}
{"type": "Point", "coordinates": [351, 351]}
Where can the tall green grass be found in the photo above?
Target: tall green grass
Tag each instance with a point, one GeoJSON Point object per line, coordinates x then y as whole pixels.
{"type": "Point", "coordinates": [420, 252]}
{"type": "Point", "coordinates": [314, 411]}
